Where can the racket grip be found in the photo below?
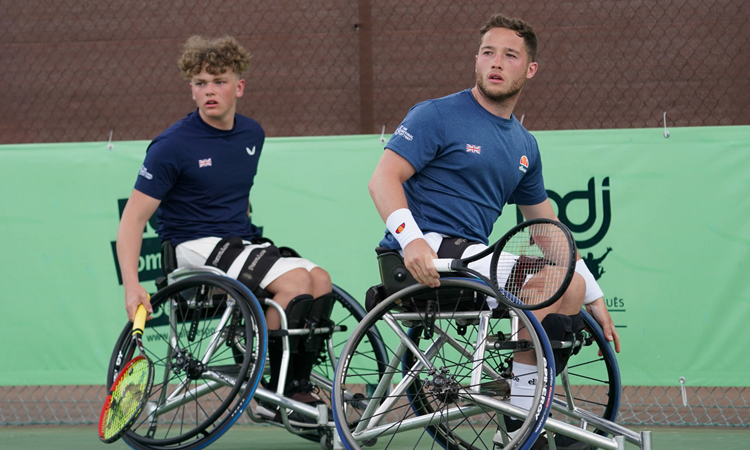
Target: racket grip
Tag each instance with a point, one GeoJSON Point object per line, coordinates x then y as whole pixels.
{"type": "Point", "coordinates": [139, 322]}
{"type": "Point", "coordinates": [443, 264]}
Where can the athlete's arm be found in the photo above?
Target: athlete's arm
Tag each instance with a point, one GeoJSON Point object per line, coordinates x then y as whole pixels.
{"type": "Point", "coordinates": [387, 192]}
{"type": "Point", "coordinates": [540, 210]}
{"type": "Point", "coordinates": [597, 308]}
{"type": "Point", "coordinates": [138, 210]}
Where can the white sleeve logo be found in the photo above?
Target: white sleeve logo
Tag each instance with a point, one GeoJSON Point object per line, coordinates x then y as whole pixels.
{"type": "Point", "coordinates": [401, 131]}
{"type": "Point", "coordinates": [144, 173]}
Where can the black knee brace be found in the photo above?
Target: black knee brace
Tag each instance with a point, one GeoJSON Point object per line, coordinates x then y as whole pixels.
{"type": "Point", "coordinates": [296, 312]}
{"type": "Point", "coordinates": [559, 329]}
{"type": "Point", "coordinates": [311, 348]}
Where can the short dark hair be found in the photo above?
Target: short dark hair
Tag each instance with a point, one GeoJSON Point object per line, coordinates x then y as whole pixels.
{"type": "Point", "coordinates": [217, 56]}
{"type": "Point", "coordinates": [521, 27]}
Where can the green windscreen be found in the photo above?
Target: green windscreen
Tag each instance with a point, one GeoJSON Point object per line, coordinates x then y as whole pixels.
{"type": "Point", "coordinates": [662, 223]}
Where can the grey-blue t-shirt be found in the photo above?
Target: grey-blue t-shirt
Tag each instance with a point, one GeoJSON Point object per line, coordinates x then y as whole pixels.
{"type": "Point", "coordinates": [203, 176]}
{"type": "Point", "coordinates": [469, 163]}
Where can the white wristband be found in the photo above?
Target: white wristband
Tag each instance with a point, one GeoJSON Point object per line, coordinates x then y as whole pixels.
{"type": "Point", "coordinates": [593, 291]}
{"type": "Point", "coordinates": [402, 226]}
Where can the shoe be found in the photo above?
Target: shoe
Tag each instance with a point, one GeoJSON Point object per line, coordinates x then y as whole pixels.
{"type": "Point", "coordinates": [511, 428]}
{"type": "Point", "coordinates": [306, 393]}
{"type": "Point", "coordinates": [561, 443]}
{"type": "Point", "coordinates": [497, 439]}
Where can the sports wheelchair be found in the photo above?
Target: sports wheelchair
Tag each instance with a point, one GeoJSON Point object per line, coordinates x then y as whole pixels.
{"type": "Point", "coordinates": [208, 341]}
{"type": "Point", "coordinates": [447, 377]}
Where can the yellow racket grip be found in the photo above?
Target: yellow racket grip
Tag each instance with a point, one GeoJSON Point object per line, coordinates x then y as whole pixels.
{"type": "Point", "coordinates": [139, 322]}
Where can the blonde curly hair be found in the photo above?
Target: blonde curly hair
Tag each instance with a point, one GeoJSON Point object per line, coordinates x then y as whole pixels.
{"type": "Point", "coordinates": [217, 56]}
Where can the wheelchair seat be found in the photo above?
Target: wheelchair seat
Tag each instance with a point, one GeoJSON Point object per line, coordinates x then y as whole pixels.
{"type": "Point", "coordinates": [395, 276]}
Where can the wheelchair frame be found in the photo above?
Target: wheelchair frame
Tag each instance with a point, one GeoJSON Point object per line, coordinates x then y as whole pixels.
{"type": "Point", "coordinates": [478, 403]}
{"type": "Point", "coordinates": [321, 431]}
{"type": "Point", "coordinates": [374, 409]}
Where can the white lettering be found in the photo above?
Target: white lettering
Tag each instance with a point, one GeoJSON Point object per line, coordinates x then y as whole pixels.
{"type": "Point", "coordinates": [255, 261]}
{"type": "Point", "coordinates": [144, 173]}
{"type": "Point", "coordinates": [401, 131]}
{"type": "Point", "coordinates": [221, 252]}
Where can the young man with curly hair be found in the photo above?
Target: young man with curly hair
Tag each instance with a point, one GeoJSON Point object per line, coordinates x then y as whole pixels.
{"type": "Point", "coordinates": [197, 177]}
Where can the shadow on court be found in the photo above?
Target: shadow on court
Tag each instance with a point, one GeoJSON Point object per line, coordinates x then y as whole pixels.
{"type": "Point", "coordinates": [266, 437]}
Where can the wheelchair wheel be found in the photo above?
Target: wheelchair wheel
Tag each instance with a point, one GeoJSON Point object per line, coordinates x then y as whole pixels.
{"type": "Point", "coordinates": [593, 382]}
{"type": "Point", "coordinates": [448, 377]}
{"type": "Point", "coordinates": [207, 340]}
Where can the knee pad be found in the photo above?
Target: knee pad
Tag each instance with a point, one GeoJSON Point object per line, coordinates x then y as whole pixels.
{"type": "Point", "coordinates": [319, 317]}
{"type": "Point", "coordinates": [559, 328]}
{"type": "Point", "coordinates": [297, 312]}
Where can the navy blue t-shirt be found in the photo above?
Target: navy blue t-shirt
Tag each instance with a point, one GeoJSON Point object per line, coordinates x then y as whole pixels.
{"type": "Point", "coordinates": [203, 176]}
{"type": "Point", "coordinates": [469, 163]}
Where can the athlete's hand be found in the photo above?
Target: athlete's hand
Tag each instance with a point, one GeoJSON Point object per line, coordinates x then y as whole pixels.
{"type": "Point", "coordinates": [598, 309]}
{"type": "Point", "coordinates": [418, 256]}
{"type": "Point", "coordinates": [134, 296]}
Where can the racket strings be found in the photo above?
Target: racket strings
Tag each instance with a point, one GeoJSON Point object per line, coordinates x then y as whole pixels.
{"type": "Point", "coordinates": [535, 263]}
{"type": "Point", "coordinates": [127, 397]}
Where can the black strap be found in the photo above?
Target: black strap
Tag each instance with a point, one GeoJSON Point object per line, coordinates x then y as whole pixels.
{"type": "Point", "coordinates": [454, 248]}
{"type": "Point", "coordinates": [225, 252]}
{"type": "Point", "coordinates": [257, 265]}
{"type": "Point", "coordinates": [285, 252]}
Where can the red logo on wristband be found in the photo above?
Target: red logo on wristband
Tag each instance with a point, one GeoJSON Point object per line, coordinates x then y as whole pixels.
{"type": "Point", "coordinates": [400, 228]}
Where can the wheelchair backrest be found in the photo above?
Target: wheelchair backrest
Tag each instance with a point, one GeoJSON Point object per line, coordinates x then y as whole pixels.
{"type": "Point", "coordinates": [168, 257]}
{"type": "Point", "coordinates": [395, 276]}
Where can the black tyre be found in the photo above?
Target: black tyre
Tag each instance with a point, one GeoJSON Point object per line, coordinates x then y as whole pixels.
{"type": "Point", "coordinates": [418, 403]}
{"type": "Point", "coordinates": [207, 340]}
{"type": "Point", "coordinates": [593, 381]}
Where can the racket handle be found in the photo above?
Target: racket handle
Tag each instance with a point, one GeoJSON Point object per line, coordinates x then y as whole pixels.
{"type": "Point", "coordinates": [443, 264]}
{"type": "Point", "coordinates": [139, 322]}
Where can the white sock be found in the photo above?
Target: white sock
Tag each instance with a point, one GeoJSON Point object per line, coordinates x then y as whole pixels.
{"type": "Point", "coordinates": [523, 385]}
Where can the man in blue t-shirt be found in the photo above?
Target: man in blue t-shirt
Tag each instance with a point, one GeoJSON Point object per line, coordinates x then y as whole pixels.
{"type": "Point", "coordinates": [197, 176]}
{"type": "Point", "coordinates": [455, 162]}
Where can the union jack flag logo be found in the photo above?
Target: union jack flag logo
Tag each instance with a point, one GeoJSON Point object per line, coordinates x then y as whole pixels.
{"type": "Point", "coordinates": [204, 162]}
{"type": "Point", "coordinates": [473, 148]}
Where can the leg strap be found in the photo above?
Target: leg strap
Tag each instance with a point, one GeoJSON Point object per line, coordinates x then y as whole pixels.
{"type": "Point", "coordinates": [257, 265]}
{"type": "Point", "coordinates": [225, 252]}
{"type": "Point", "coordinates": [454, 247]}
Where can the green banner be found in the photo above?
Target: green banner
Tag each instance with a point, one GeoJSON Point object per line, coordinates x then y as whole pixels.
{"type": "Point", "coordinates": [661, 222]}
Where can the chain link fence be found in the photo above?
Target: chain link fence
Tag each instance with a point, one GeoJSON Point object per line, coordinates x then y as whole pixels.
{"type": "Point", "coordinates": [643, 406]}
{"type": "Point", "coordinates": [76, 70]}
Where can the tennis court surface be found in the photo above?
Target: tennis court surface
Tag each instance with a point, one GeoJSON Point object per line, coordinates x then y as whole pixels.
{"type": "Point", "coordinates": [266, 437]}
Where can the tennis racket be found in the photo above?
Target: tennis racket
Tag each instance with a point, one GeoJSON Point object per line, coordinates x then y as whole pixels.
{"type": "Point", "coordinates": [530, 267]}
{"type": "Point", "coordinates": [131, 389]}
